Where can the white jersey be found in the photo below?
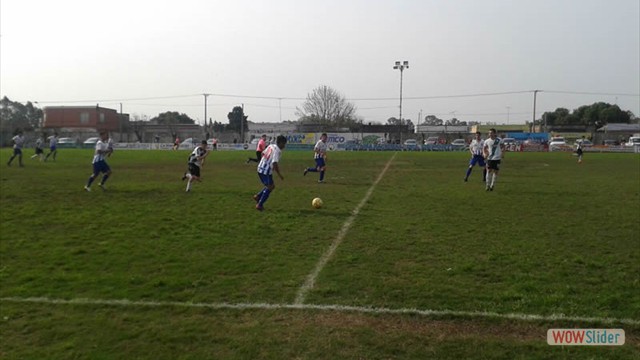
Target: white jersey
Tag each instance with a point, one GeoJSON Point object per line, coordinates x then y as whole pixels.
{"type": "Point", "coordinates": [270, 156]}
{"type": "Point", "coordinates": [99, 154]}
{"type": "Point", "coordinates": [494, 146]}
{"type": "Point", "coordinates": [18, 140]}
{"type": "Point", "coordinates": [53, 141]}
{"type": "Point", "coordinates": [320, 149]}
{"type": "Point", "coordinates": [195, 154]}
{"type": "Point", "coordinates": [39, 143]}
{"type": "Point", "coordinates": [476, 146]}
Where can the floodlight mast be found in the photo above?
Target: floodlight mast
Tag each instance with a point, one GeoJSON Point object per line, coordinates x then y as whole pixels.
{"type": "Point", "coordinates": [401, 67]}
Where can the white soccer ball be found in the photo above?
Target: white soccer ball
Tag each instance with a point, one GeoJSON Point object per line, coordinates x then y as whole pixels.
{"type": "Point", "coordinates": [316, 203]}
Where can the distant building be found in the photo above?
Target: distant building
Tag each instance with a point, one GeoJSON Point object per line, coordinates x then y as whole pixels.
{"type": "Point", "coordinates": [83, 117]}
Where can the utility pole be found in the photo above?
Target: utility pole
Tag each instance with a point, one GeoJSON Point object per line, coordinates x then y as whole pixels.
{"type": "Point", "coordinates": [120, 122]}
{"type": "Point", "coordinates": [205, 108]}
{"type": "Point", "coordinates": [242, 125]}
{"type": "Point", "coordinates": [533, 124]}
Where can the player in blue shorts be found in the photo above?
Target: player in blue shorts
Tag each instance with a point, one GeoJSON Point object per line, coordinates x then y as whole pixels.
{"type": "Point", "coordinates": [320, 156]}
{"type": "Point", "coordinates": [53, 146]}
{"type": "Point", "coordinates": [268, 164]}
{"type": "Point", "coordinates": [477, 157]}
{"type": "Point", "coordinates": [18, 141]}
{"type": "Point", "coordinates": [99, 161]}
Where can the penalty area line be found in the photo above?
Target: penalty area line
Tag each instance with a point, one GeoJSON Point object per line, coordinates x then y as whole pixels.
{"type": "Point", "coordinates": [320, 307]}
{"type": "Point", "coordinates": [311, 278]}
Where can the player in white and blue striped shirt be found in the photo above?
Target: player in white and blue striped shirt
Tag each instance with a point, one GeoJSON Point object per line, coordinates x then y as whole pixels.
{"type": "Point", "coordinates": [477, 157]}
{"type": "Point", "coordinates": [320, 156]}
{"type": "Point", "coordinates": [268, 164]}
{"type": "Point", "coordinates": [99, 161]}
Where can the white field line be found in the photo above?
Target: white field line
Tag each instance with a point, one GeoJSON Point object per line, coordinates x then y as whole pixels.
{"type": "Point", "coordinates": [311, 278]}
{"type": "Point", "coordinates": [319, 307]}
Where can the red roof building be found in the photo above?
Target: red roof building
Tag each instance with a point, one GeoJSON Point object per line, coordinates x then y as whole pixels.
{"type": "Point", "coordinates": [87, 117]}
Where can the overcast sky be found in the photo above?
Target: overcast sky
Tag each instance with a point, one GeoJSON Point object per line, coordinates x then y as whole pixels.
{"type": "Point", "coordinates": [156, 56]}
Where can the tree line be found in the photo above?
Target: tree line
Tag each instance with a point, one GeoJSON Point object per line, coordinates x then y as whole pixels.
{"type": "Point", "coordinates": [324, 107]}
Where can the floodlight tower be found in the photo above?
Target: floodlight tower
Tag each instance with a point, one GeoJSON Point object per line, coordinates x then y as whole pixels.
{"type": "Point", "coordinates": [401, 67]}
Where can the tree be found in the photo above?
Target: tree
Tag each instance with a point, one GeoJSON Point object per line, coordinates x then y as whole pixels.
{"type": "Point", "coordinates": [172, 119]}
{"type": "Point", "coordinates": [432, 120]}
{"type": "Point", "coordinates": [596, 114]}
{"type": "Point", "coordinates": [237, 118]}
{"type": "Point", "coordinates": [326, 106]}
{"type": "Point", "coordinates": [15, 115]}
{"type": "Point", "coordinates": [138, 125]}
{"type": "Point", "coordinates": [454, 122]}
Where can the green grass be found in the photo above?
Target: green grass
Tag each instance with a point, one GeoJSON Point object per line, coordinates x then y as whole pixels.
{"type": "Point", "coordinates": [554, 237]}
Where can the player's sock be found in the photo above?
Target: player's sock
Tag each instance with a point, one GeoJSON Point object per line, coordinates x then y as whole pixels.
{"type": "Point", "coordinates": [468, 173]}
{"type": "Point", "coordinates": [90, 181]}
{"type": "Point", "coordinates": [493, 181]}
{"type": "Point", "coordinates": [264, 197]}
{"type": "Point", "coordinates": [189, 184]}
{"type": "Point", "coordinates": [322, 175]}
{"type": "Point", "coordinates": [312, 169]}
{"type": "Point", "coordinates": [104, 179]}
{"type": "Point", "coordinates": [484, 175]}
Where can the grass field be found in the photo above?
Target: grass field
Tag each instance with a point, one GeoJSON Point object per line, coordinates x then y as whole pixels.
{"type": "Point", "coordinates": [145, 270]}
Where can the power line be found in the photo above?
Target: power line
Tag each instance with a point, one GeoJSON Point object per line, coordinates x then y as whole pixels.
{"type": "Point", "coordinates": [588, 93]}
{"type": "Point", "coordinates": [445, 96]}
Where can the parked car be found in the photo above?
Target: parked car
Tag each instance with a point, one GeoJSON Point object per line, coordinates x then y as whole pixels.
{"type": "Point", "coordinates": [432, 140]}
{"type": "Point", "coordinates": [584, 142]}
{"type": "Point", "coordinates": [90, 141]}
{"type": "Point", "coordinates": [610, 143]}
{"type": "Point", "coordinates": [66, 142]}
{"type": "Point", "coordinates": [557, 141]}
{"type": "Point", "coordinates": [188, 143]}
{"type": "Point", "coordinates": [410, 142]}
{"type": "Point", "coordinates": [633, 141]}
{"type": "Point", "coordinates": [459, 143]}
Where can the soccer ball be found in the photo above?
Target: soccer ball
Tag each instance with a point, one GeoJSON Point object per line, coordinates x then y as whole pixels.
{"type": "Point", "coordinates": [316, 203]}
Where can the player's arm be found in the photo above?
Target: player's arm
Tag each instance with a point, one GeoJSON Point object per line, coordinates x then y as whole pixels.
{"type": "Point", "coordinates": [485, 151]}
{"type": "Point", "coordinates": [276, 168]}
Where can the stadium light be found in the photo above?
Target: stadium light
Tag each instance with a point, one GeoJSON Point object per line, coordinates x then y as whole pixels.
{"type": "Point", "coordinates": [401, 67]}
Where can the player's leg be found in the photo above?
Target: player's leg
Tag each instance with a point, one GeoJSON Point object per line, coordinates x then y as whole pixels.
{"type": "Point", "coordinates": [494, 178]}
{"type": "Point", "coordinates": [106, 170]}
{"type": "Point", "coordinates": [193, 174]}
{"type": "Point", "coordinates": [310, 169]}
{"type": "Point", "coordinates": [472, 163]}
{"type": "Point", "coordinates": [482, 163]}
{"type": "Point", "coordinates": [267, 181]}
{"type": "Point", "coordinates": [321, 167]}
{"type": "Point", "coordinates": [96, 171]}
{"type": "Point", "coordinates": [11, 158]}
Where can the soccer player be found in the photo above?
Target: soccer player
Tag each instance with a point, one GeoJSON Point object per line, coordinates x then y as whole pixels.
{"type": "Point", "coordinates": [476, 148]}
{"type": "Point", "coordinates": [492, 150]}
{"type": "Point", "coordinates": [262, 144]}
{"type": "Point", "coordinates": [196, 159]}
{"type": "Point", "coordinates": [53, 143]}
{"type": "Point", "coordinates": [579, 149]}
{"type": "Point", "coordinates": [268, 164]}
{"type": "Point", "coordinates": [320, 155]}
{"type": "Point", "coordinates": [99, 161]}
{"type": "Point", "coordinates": [18, 141]}
{"type": "Point", "coordinates": [39, 152]}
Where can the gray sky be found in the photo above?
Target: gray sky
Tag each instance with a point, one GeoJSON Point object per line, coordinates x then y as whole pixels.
{"type": "Point", "coordinates": [163, 55]}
